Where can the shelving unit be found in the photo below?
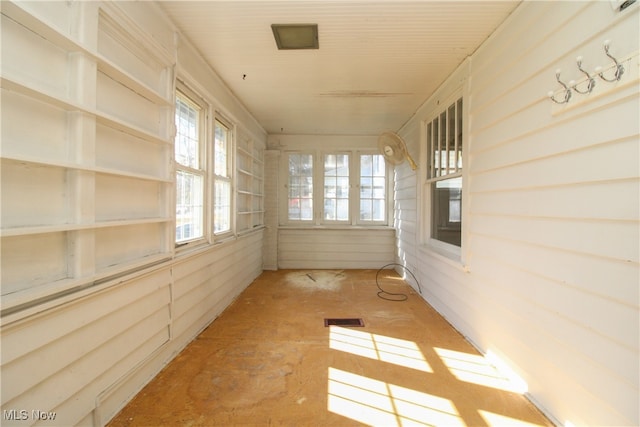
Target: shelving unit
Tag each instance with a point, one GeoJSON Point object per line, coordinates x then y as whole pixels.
{"type": "Point", "coordinates": [250, 185]}
{"type": "Point", "coordinates": [86, 176]}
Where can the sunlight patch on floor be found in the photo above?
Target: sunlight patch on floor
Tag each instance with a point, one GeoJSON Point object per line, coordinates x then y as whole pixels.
{"type": "Point", "coordinates": [476, 369]}
{"type": "Point", "coordinates": [378, 347]}
{"type": "Point", "coordinates": [497, 420]}
{"type": "Point", "coordinates": [374, 402]}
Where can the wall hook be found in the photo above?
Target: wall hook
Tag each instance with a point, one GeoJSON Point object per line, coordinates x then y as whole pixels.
{"type": "Point", "coordinates": [591, 81]}
{"type": "Point", "coordinates": [619, 68]}
{"type": "Point", "coordinates": [567, 91]}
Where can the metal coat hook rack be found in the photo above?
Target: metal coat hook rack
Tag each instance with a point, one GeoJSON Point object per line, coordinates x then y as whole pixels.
{"type": "Point", "coordinates": [618, 67]}
{"type": "Point", "coordinates": [566, 90]}
{"type": "Point", "coordinates": [591, 81]}
{"type": "Point", "coordinates": [564, 95]}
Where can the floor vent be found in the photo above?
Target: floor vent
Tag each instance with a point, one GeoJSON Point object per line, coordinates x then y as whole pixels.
{"type": "Point", "coordinates": [343, 322]}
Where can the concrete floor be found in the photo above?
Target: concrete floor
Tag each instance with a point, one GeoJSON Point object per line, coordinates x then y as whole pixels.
{"type": "Point", "coordinates": [270, 360]}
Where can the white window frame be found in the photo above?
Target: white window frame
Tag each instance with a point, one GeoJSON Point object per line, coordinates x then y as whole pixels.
{"type": "Point", "coordinates": [182, 90]}
{"type": "Point", "coordinates": [318, 190]}
{"type": "Point", "coordinates": [284, 199]}
{"type": "Point", "coordinates": [446, 249]}
{"type": "Point", "coordinates": [229, 178]}
{"type": "Point", "coordinates": [208, 122]}
{"type": "Point", "coordinates": [321, 208]}
{"type": "Point", "coordinates": [387, 182]}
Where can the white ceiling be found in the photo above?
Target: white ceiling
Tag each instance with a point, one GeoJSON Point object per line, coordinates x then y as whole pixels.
{"type": "Point", "coordinates": [378, 61]}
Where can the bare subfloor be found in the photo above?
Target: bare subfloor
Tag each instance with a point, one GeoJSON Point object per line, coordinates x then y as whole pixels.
{"type": "Point", "coordinates": [270, 360]}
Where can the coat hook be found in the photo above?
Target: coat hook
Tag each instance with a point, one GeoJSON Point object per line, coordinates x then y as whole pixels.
{"type": "Point", "coordinates": [591, 80]}
{"type": "Point", "coordinates": [619, 68]}
{"type": "Point", "coordinates": [567, 91]}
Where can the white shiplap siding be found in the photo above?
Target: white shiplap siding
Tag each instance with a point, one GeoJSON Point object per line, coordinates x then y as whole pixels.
{"type": "Point", "coordinates": [65, 358]}
{"type": "Point", "coordinates": [272, 172]}
{"type": "Point", "coordinates": [100, 336]}
{"type": "Point", "coordinates": [405, 214]}
{"type": "Point", "coordinates": [339, 248]}
{"type": "Point", "coordinates": [552, 231]}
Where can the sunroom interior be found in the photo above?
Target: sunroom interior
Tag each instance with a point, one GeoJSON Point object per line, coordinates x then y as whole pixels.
{"type": "Point", "coordinates": [161, 160]}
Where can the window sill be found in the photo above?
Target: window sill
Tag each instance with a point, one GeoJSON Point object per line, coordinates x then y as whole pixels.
{"type": "Point", "coordinates": [448, 254]}
{"type": "Point", "coordinates": [204, 246]}
{"type": "Point", "coordinates": [249, 231]}
{"type": "Point", "coordinates": [335, 227]}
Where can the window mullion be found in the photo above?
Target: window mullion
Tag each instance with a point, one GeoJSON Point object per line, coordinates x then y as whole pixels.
{"type": "Point", "coordinates": [318, 188]}
{"type": "Point", "coordinates": [429, 150]}
{"type": "Point", "coordinates": [354, 187]}
{"type": "Point", "coordinates": [190, 170]}
{"type": "Point", "coordinates": [446, 140]}
{"type": "Point", "coordinates": [455, 137]}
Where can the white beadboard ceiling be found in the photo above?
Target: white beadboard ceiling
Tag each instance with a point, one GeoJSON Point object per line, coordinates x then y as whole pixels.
{"type": "Point", "coordinates": [378, 61]}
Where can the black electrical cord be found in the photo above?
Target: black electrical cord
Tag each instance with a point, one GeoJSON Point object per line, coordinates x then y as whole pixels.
{"type": "Point", "coordinates": [398, 297]}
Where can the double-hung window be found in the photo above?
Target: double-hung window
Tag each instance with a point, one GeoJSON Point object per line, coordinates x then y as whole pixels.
{"type": "Point", "coordinates": [204, 178]}
{"type": "Point", "coordinates": [444, 174]}
{"type": "Point", "coordinates": [190, 167]}
{"type": "Point", "coordinates": [352, 191]}
{"type": "Point", "coordinates": [222, 205]}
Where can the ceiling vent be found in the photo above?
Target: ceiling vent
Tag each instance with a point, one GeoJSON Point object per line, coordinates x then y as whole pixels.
{"type": "Point", "coordinates": [295, 36]}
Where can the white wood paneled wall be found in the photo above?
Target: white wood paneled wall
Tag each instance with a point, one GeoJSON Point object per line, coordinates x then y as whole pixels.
{"type": "Point", "coordinates": [83, 360]}
{"type": "Point", "coordinates": [335, 248]}
{"type": "Point", "coordinates": [96, 298]}
{"type": "Point", "coordinates": [272, 168]}
{"type": "Point", "coordinates": [549, 273]}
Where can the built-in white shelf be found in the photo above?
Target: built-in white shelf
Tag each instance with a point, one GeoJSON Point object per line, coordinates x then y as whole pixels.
{"type": "Point", "coordinates": [117, 73]}
{"type": "Point", "coordinates": [44, 29]}
{"type": "Point", "coordinates": [44, 229]}
{"type": "Point", "coordinates": [87, 148]}
{"type": "Point", "coordinates": [250, 188]}
{"type": "Point", "coordinates": [43, 95]}
{"type": "Point", "coordinates": [22, 87]}
{"type": "Point", "coordinates": [82, 167]}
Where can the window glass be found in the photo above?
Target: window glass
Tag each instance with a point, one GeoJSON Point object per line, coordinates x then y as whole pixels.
{"type": "Point", "coordinates": [222, 179]}
{"type": "Point", "coordinates": [300, 197]}
{"type": "Point", "coordinates": [451, 140]}
{"type": "Point", "coordinates": [189, 206]}
{"type": "Point", "coordinates": [187, 143]}
{"type": "Point", "coordinates": [336, 187]}
{"type": "Point", "coordinates": [220, 150]}
{"type": "Point", "coordinates": [459, 134]}
{"type": "Point", "coordinates": [222, 206]}
{"type": "Point", "coordinates": [372, 188]}
{"type": "Point", "coordinates": [446, 208]}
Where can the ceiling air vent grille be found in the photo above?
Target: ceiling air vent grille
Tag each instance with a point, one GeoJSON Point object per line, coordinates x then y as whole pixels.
{"type": "Point", "coordinates": [295, 36]}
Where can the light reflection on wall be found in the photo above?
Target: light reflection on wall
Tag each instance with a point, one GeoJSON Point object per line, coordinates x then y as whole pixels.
{"type": "Point", "coordinates": [474, 368]}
